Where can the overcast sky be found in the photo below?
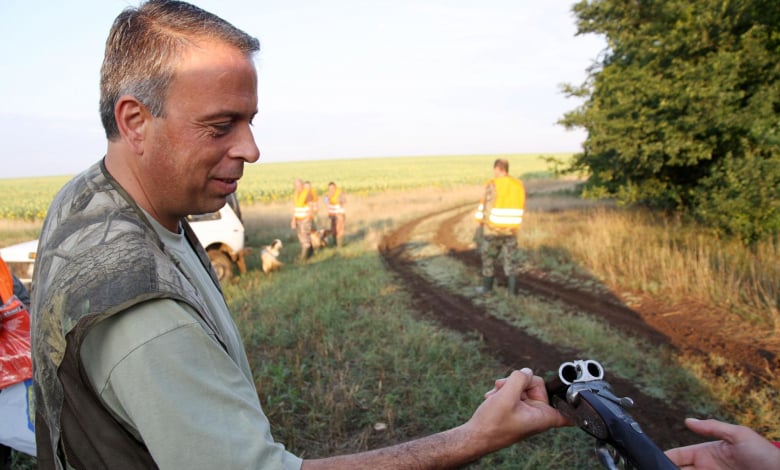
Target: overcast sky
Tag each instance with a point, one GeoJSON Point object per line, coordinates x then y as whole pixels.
{"type": "Point", "coordinates": [338, 79]}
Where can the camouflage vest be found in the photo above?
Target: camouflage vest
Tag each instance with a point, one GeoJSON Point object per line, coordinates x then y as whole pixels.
{"type": "Point", "coordinates": [97, 256]}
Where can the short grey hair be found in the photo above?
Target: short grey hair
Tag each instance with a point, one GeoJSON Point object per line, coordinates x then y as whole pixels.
{"type": "Point", "coordinates": [143, 47]}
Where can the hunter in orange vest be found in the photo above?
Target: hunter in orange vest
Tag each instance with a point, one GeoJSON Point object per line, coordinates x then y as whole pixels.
{"type": "Point", "coordinates": [314, 203]}
{"type": "Point", "coordinates": [500, 213]}
{"type": "Point", "coordinates": [302, 217]}
{"type": "Point", "coordinates": [336, 213]}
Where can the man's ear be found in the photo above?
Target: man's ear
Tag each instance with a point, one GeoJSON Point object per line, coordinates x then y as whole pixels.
{"type": "Point", "coordinates": [132, 119]}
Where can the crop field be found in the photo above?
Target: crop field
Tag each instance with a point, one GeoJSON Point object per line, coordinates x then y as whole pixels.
{"type": "Point", "coordinates": [29, 198]}
{"type": "Point", "coordinates": [273, 181]}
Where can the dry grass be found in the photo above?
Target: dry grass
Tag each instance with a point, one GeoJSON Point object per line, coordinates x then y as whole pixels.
{"type": "Point", "coordinates": [638, 251]}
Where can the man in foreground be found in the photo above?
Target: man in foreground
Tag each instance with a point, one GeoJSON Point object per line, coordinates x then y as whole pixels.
{"type": "Point", "coordinates": [138, 362]}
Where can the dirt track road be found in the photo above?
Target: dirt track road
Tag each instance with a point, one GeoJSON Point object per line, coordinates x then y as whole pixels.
{"type": "Point", "coordinates": [662, 421]}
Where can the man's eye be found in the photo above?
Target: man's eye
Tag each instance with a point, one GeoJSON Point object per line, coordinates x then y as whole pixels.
{"type": "Point", "coordinates": [222, 128]}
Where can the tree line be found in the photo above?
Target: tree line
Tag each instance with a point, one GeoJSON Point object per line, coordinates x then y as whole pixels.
{"type": "Point", "coordinates": [682, 109]}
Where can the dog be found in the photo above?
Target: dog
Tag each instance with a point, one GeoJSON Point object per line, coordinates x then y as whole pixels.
{"type": "Point", "coordinates": [270, 256]}
{"type": "Point", "coordinates": [319, 238]}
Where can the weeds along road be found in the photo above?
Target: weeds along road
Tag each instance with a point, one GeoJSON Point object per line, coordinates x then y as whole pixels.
{"type": "Point", "coordinates": [661, 420]}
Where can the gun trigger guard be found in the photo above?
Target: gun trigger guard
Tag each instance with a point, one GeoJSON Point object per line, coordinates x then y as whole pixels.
{"type": "Point", "coordinates": [605, 456]}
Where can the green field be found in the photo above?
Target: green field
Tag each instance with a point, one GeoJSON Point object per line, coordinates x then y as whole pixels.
{"type": "Point", "coordinates": [29, 198]}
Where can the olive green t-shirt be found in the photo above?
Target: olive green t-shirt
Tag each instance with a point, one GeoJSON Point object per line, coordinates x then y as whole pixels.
{"type": "Point", "coordinates": [162, 373]}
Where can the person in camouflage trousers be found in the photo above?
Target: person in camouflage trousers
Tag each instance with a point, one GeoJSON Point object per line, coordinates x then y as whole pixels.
{"type": "Point", "coordinates": [494, 246]}
{"type": "Point", "coordinates": [303, 215]}
{"type": "Point", "coordinates": [500, 214]}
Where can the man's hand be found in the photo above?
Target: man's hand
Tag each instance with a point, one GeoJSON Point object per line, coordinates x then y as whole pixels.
{"type": "Point", "coordinates": [515, 409]}
{"type": "Point", "coordinates": [739, 447]}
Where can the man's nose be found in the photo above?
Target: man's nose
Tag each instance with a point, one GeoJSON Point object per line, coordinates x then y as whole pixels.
{"type": "Point", "coordinates": [247, 148]}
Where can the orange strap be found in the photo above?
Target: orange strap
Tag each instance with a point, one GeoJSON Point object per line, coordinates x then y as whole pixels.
{"type": "Point", "coordinates": [6, 282]}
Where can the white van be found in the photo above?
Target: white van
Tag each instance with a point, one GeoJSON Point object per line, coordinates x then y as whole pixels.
{"type": "Point", "coordinates": [221, 233]}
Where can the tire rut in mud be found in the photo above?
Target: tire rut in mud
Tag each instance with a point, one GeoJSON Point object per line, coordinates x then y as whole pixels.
{"type": "Point", "coordinates": [662, 421]}
{"type": "Point", "coordinates": [605, 307]}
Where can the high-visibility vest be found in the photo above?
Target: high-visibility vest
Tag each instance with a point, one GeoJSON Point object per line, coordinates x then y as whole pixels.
{"type": "Point", "coordinates": [509, 204]}
{"type": "Point", "coordinates": [302, 209]}
{"type": "Point", "coordinates": [334, 203]}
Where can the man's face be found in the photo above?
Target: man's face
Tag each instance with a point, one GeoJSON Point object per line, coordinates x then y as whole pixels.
{"type": "Point", "coordinates": [194, 155]}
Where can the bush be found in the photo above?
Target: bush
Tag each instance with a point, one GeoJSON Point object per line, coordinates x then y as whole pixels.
{"type": "Point", "coordinates": [740, 198]}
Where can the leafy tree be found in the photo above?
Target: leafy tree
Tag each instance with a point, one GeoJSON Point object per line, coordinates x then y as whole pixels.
{"type": "Point", "coordinates": [683, 109]}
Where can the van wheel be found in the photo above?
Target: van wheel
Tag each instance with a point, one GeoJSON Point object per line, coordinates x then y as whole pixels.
{"type": "Point", "coordinates": [221, 263]}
